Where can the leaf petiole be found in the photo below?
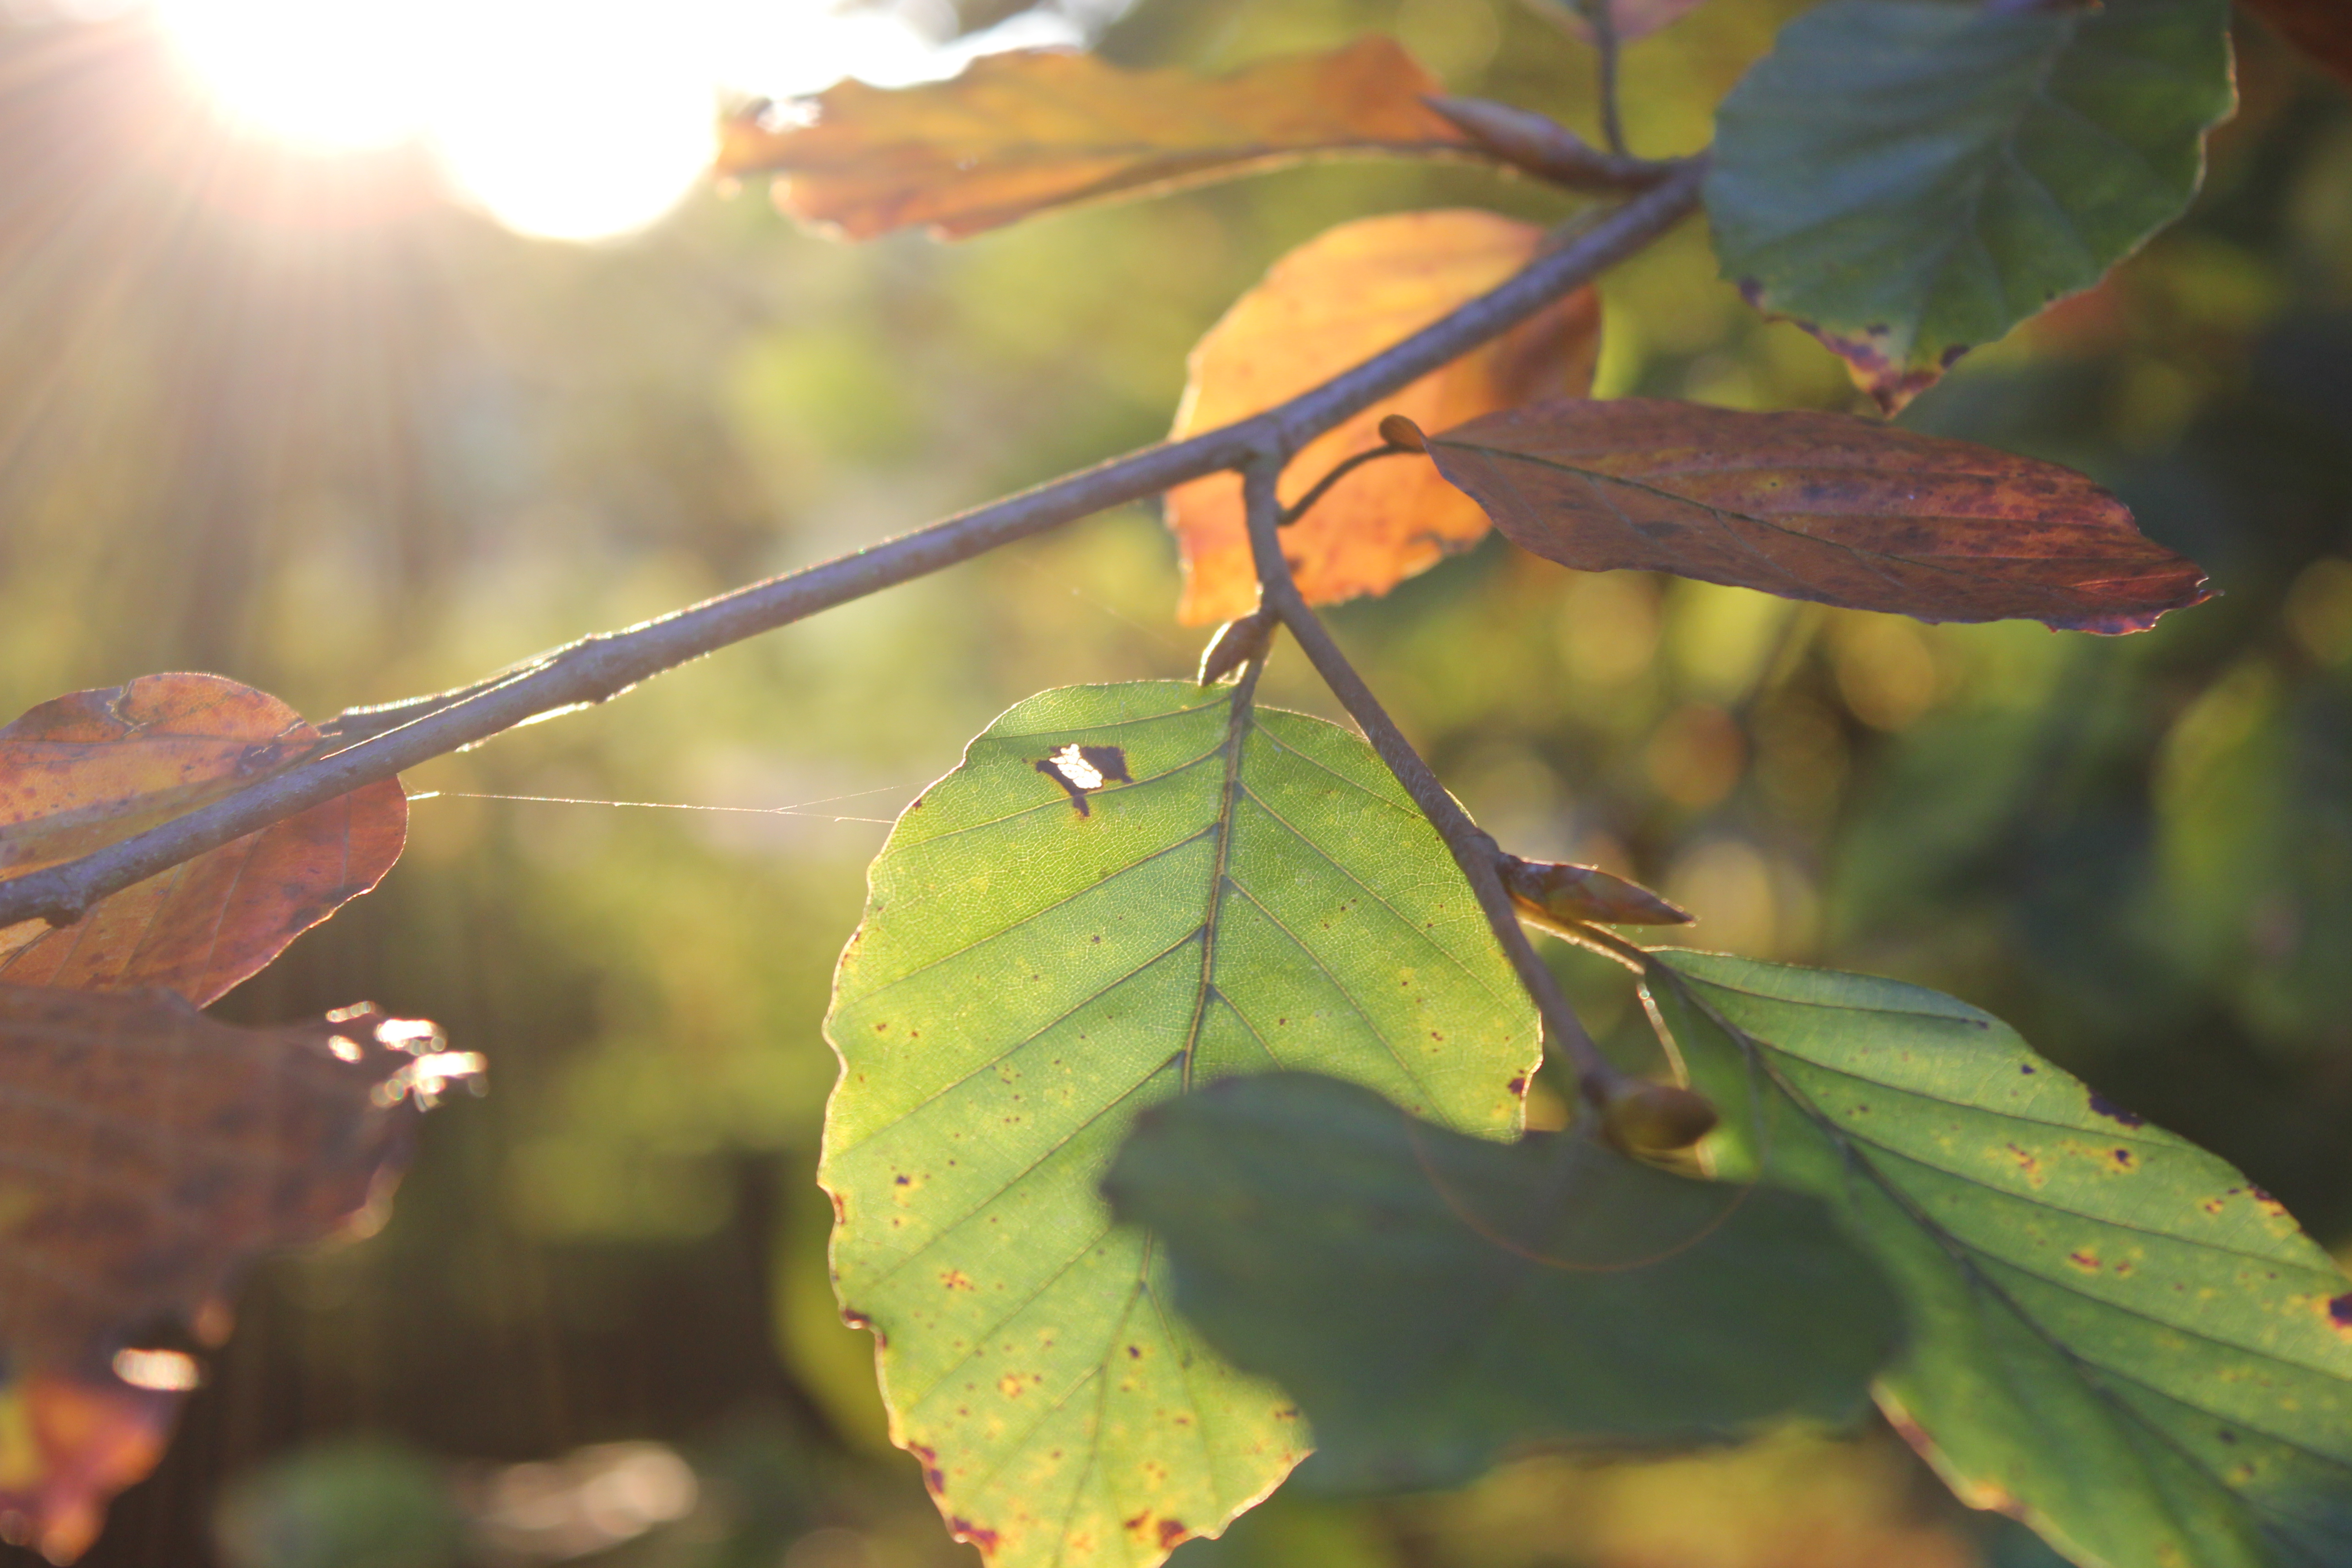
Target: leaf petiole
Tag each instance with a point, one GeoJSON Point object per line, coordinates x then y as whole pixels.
{"type": "Point", "coordinates": [1339, 470]}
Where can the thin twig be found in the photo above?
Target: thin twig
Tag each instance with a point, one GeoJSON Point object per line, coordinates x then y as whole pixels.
{"type": "Point", "coordinates": [1339, 470]}
{"type": "Point", "coordinates": [1543, 147]}
{"type": "Point", "coordinates": [1593, 938]}
{"type": "Point", "coordinates": [379, 744]}
{"type": "Point", "coordinates": [1602, 17]}
{"type": "Point", "coordinates": [1597, 1076]}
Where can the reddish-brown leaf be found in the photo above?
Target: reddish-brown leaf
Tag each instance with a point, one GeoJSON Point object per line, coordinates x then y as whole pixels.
{"type": "Point", "coordinates": [1340, 298]}
{"type": "Point", "coordinates": [1031, 129]}
{"type": "Point", "coordinates": [95, 766]}
{"type": "Point", "coordinates": [1816, 506]}
{"type": "Point", "coordinates": [147, 1155]}
{"type": "Point", "coordinates": [2320, 28]}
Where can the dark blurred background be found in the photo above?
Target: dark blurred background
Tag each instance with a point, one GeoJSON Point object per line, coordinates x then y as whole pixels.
{"type": "Point", "coordinates": [298, 418]}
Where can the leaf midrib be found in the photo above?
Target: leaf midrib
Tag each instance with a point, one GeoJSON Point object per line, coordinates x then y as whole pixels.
{"type": "Point", "coordinates": [1238, 720]}
{"type": "Point", "coordinates": [1238, 723]}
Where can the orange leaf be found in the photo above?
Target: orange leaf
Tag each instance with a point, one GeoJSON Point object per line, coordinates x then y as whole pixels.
{"type": "Point", "coordinates": [92, 767]}
{"type": "Point", "coordinates": [1031, 129]}
{"type": "Point", "coordinates": [67, 1444]}
{"type": "Point", "coordinates": [1340, 298]}
{"type": "Point", "coordinates": [147, 1154]}
{"type": "Point", "coordinates": [1816, 506]}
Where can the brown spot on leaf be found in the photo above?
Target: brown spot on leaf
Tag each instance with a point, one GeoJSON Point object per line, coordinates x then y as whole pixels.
{"type": "Point", "coordinates": [1172, 1534]}
{"type": "Point", "coordinates": [935, 1479]}
{"type": "Point", "coordinates": [2123, 1159]}
{"type": "Point", "coordinates": [2339, 1313]}
{"type": "Point", "coordinates": [956, 1279]}
{"type": "Point", "coordinates": [978, 1535]}
{"type": "Point", "coordinates": [2114, 1113]}
{"type": "Point", "coordinates": [1867, 355]}
{"type": "Point", "coordinates": [2086, 1261]}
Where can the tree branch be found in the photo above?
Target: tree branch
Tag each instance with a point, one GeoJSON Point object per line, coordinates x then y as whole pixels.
{"type": "Point", "coordinates": [1545, 148]}
{"type": "Point", "coordinates": [369, 745]}
{"type": "Point", "coordinates": [1600, 1079]}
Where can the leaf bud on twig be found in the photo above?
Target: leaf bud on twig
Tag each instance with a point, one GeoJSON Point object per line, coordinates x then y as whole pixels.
{"type": "Point", "coordinates": [1237, 643]}
{"type": "Point", "coordinates": [1557, 891]}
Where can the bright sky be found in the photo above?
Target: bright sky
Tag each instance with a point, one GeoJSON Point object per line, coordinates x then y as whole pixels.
{"type": "Point", "coordinates": [568, 119]}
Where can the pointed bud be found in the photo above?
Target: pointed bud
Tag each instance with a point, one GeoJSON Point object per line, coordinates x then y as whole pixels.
{"type": "Point", "coordinates": [1236, 643]}
{"type": "Point", "coordinates": [1554, 891]}
{"type": "Point", "coordinates": [1398, 431]}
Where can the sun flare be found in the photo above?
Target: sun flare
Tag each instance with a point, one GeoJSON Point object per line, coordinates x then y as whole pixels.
{"type": "Point", "coordinates": [559, 118]}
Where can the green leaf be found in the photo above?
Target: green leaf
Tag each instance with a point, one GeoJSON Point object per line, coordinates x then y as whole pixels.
{"type": "Point", "coordinates": [2114, 1333]}
{"type": "Point", "coordinates": [1123, 890]}
{"type": "Point", "coordinates": [1432, 1299]}
{"type": "Point", "coordinates": [1909, 178]}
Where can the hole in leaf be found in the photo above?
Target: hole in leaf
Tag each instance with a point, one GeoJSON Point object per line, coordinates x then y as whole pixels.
{"type": "Point", "coordinates": [1081, 770]}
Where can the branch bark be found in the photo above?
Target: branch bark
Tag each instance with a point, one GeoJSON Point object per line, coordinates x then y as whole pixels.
{"type": "Point", "coordinates": [366, 745]}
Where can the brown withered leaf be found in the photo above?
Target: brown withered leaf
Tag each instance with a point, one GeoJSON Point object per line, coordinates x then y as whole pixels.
{"type": "Point", "coordinates": [1816, 506]}
{"type": "Point", "coordinates": [92, 767]}
{"type": "Point", "coordinates": [1340, 298]}
{"type": "Point", "coordinates": [147, 1155]}
{"type": "Point", "coordinates": [1031, 129]}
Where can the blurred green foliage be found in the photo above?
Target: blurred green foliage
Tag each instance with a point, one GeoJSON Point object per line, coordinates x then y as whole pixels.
{"type": "Point", "coordinates": [303, 423]}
